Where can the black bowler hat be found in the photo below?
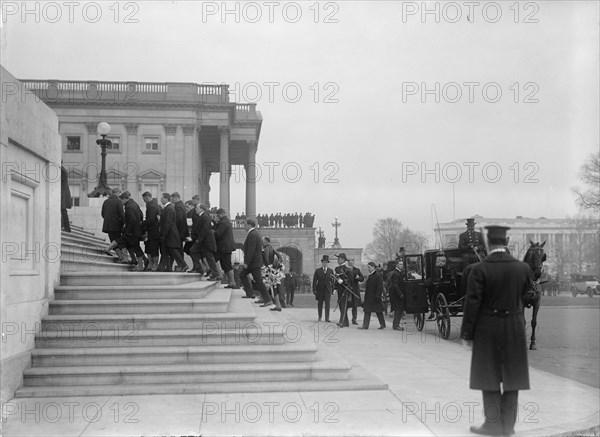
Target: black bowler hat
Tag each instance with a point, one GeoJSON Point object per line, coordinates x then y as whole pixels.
{"type": "Point", "coordinates": [325, 259]}
{"type": "Point", "coordinates": [496, 231]}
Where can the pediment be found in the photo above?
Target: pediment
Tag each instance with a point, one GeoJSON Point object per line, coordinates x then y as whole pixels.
{"type": "Point", "coordinates": [151, 174]}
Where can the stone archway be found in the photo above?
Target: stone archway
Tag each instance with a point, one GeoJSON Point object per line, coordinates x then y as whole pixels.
{"type": "Point", "coordinates": [295, 258]}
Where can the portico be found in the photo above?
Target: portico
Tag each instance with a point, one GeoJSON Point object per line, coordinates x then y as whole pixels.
{"type": "Point", "coordinates": [165, 137]}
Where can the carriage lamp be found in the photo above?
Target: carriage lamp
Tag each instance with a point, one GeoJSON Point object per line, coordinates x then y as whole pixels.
{"type": "Point", "coordinates": [102, 189]}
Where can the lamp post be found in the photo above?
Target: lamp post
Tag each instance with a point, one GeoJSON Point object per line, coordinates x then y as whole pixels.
{"type": "Point", "coordinates": [102, 189]}
{"type": "Point", "coordinates": [336, 241]}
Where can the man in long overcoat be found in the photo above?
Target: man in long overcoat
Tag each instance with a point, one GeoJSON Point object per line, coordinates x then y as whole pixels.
{"type": "Point", "coordinates": [470, 242]}
{"type": "Point", "coordinates": [355, 300]}
{"type": "Point", "coordinates": [493, 325]}
{"type": "Point", "coordinates": [132, 230]}
{"type": "Point", "coordinates": [322, 287]}
{"type": "Point", "coordinates": [113, 214]}
{"type": "Point", "coordinates": [253, 261]}
{"type": "Point", "coordinates": [225, 246]}
{"type": "Point", "coordinates": [170, 242]}
{"type": "Point", "coordinates": [205, 245]}
{"type": "Point", "coordinates": [66, 201]}
{"type": "Point", "coordinates": [373, 302]}
{"type": "Point", "coordinates": [397, 286]}
{"type": "Point", "coordinates": [152, 226]}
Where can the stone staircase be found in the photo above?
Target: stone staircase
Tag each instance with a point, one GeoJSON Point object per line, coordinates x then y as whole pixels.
{"type": "Point", "coordinates": [114, 332]}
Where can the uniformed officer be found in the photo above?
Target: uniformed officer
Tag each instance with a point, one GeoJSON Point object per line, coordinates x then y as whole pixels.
{"type": "Point", "coordinates": [493, 326]}
{"type": "Point", "coordinates": [469, 242]}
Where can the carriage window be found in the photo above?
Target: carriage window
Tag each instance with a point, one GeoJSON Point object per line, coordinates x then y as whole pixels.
{"type": "Point", "coordinates": [414, 267]}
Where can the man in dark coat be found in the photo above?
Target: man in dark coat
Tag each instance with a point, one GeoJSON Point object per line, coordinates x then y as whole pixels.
{"type": "Point", "coordinates": [396, 279]}
{"type": "Point", "coordinates": [180, 217]}
{"type": "Point", "coordinates": [66, 201]}
{"type": "Point", "coordinates": [343, 282]}
{"type": "Point", "coordinates": [170, 241]}
{"type": "Point", "coordinates": [322, 286]}
{"type": "Point", "coordinates": [205, 245]}
{"type": "Point", "coordinates": [225, 246]}
{"type": "Point", "coordinates": [493, 326]}
{"type": "Point", "coordinates": [355, 301]}
{"type": "Point", "coordinates": [191, 213]}
{"type": "Point", "coordinates": [289, 283]}
{"type": "Point", "coordinates": [253, 262]}
{"type": "Point", "coordinates": [470, 242]}
{"type": "Point", "coordinates": [373, 302]}
{"type": "Point", "coordinates": [152, 227]}
{"type": "Point", "coordinates": [113, 214]}
{"type": "Point", "coordinates": [132, 231]}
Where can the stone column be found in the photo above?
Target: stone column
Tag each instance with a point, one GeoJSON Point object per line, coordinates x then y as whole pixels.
{"type": "Point", "coordinates": [224, 172]}
{"type": "Point", "coordinates": [170, 131]}
{"type": "Point", "coordinates": [131, 157]}
{"type": "Point", "coordinates": [251, 181]}
{"type": "Point", "coordinates": [189, 185]}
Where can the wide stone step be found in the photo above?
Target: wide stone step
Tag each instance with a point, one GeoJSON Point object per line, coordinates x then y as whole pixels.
{"type": "Point", "coordinates": [189, 290]}
{"type": "Point", "coordinates": [84, 253]}
{"type": "Point", "coordinates": [83, 277]}
{"type": "Point", "coordinates": [137, 306]}
{"type": "Point", "coordinates": [173, 355]}
{"type": "Point", "coordinates": [184, 373]}
{"type": "Point", "coordinates": [94, 267]}
{"type": "Point", "coordinates": [84, 236]}
{"type": "Point", "coordinates": [64, 323]}
{"type": "Point", "coordinates": [209, 335]}
{"type": "Point", "coordinates": [358, 379]}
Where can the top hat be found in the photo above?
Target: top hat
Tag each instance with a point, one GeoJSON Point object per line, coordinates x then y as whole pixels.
{"type": "Point", "coordinates": [470, 221]}
{"type": "Point", "coordinates": [342, 255]}
{"type": "Point", "coordinates": [325, 259]}
{"type": "Point", "coordinates": [402, 249]}
{"type": "Point", "coordinates": [495, 231]}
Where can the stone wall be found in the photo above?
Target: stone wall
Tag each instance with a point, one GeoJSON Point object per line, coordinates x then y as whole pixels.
{"type": "Point", "coordinates": [30, 223]}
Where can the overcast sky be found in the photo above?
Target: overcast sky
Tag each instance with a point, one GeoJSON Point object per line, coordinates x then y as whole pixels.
{"type": "Point", "coordinates": [517, 113]}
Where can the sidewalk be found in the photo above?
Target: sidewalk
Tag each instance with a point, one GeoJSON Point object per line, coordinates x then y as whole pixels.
{"type": "Point", "coordinates": [428, 395]}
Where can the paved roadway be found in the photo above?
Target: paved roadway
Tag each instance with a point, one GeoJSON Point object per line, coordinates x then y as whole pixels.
{"type": "Point", "coordinates": [567, 335]}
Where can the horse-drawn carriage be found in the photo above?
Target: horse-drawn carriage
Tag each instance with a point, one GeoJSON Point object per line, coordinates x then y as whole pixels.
{"type": "Point", "coordinates": [434, 283]}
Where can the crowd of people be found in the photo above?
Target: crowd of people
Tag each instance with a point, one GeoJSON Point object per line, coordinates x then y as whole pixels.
{"type": "Point", "coordinates": [166, 235]}
{"type": "Point", "coordinates": [278, 220]}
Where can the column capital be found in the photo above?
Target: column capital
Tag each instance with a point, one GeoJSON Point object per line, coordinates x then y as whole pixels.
{"type": "Point", "coordinates": [188, 129]}
{"type": "Point", "coordinates": [170, 129]}
{"type": "Point", "coordinates": [132, 128]}
{"type": "Point", "coordinates": [92, 128]}
{"type": "Point", "coordinates": [224, 131]}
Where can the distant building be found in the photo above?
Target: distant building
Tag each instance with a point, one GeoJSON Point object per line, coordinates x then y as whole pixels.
{"type": "Point", "coordinates": [165, 137]}
{"type": "Point", "coordinates": [569, 245]}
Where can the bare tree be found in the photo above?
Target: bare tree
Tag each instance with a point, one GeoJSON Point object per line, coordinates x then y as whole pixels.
{"type": "Point", "coordinates": [388, 236]}
{"type": "Point", "coordinates": [589, 174]}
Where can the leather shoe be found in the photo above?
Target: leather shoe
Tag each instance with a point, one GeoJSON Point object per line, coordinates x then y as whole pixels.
{"type": "Point", "coordinates": [247, 297]}
{"type": "Point", "coordinates": [381, 327]}
{"type": "Point", "coordinates": [362, 327]}
{"type": "Point", "coordinates": [340, 325]}
{"type": "Point", "coordinates": [400, 328]}
{"type": "Point", "coordinates": [484, 430]}
{"type": "Point", "coordinates": [354, 322]}
{"type": "Point", "coordinates": [268, 304]}
{"type": "Point", "coordinates": [432, 316]}
{"type": "Point", "coordinates": [275, 309]}
{"type": "Point", "coordinates": [327, 320]}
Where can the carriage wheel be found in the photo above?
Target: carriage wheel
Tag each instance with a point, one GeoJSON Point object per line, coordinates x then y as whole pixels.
{"type": "Point", "coordinates": [443, 319]}
{"type": "Point", "coordinates": [420, 321]}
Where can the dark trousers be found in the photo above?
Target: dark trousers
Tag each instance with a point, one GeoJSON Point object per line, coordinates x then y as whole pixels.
{"type": "Point", "coordinates": [257, 277]}
{"type": "Point", "coordinates": [398, 307]}
{"type": "Point", "coordinates": [343, 304]}
{"type": "Point", "coordinates": [224, 259]}
{"type": "Point", "coordinates": [354, 303]}
{"type": "Point", "coordinates": [500, 411]}
{"type": "Point", "coordinates": [64, 218]}
{"type": "Point", "coordinates": [198, 252]}
{"type": "Point", "coordinates": [326, 299]}
{"type": "Point", "coordinates": [289, 295]}
{"type": "Point", "coordinates": [367, 319]}
{"type": "Point", "coordinates": [167, 255]}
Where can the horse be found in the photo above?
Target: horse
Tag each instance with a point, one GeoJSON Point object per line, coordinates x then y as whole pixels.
{"type": "Point", "coordinates": [535, 258]}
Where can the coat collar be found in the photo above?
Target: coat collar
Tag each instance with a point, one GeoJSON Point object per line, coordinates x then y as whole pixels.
{"type": "Point", "coordinates": [498, 257]}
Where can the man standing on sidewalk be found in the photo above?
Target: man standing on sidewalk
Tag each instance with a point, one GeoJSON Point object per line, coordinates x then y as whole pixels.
{"type": "Point", "coordinates": [493, 326]}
